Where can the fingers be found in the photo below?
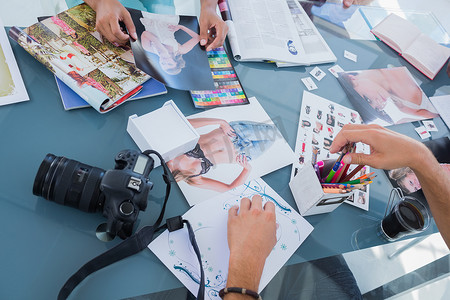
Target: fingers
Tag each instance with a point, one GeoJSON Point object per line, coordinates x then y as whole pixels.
{"type": "Point", "coordinates": [203, 35]}
{"type": "Point", "coordinates": [256, 203]}
{"type": "Point", "coordinates": [245, 204]}
{"type": "Point", "coordinates": [269, 206]}
{"type": "Point", "coordinates": [353, 133]}
{"type": "Point", "coordinates": [347, 3]}
{"type": "Point", "coordinates": [252, 205]}
{"type": "Point", "coordinates": [129, 24]}
{"type": "Point", "coordinates": [233, 212]}
{"type": "Point", "coordinates": [221, 30]}
{"type": "Point", "coordinates": [359, 159]}
{"type": "Point", "coordinates": [118, 35]}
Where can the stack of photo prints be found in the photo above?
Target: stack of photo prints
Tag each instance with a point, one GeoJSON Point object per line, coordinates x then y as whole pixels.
{"type": "Point", "coordinates": [320, 121]}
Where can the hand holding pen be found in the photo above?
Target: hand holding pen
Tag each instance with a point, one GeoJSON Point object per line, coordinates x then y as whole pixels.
{"type": "Point", "coordinates": [388, 149]}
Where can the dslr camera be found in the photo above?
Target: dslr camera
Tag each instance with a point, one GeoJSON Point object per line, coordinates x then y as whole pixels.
{"type": "Point", "coordinates": [119, 193]}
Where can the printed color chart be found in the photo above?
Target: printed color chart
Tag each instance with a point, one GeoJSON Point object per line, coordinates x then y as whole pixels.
{"type": "Point", "coordinates": [229, 90]}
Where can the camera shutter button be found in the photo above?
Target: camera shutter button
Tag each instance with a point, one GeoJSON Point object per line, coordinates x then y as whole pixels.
{"type": "Point", "coordinates": [126, 208]}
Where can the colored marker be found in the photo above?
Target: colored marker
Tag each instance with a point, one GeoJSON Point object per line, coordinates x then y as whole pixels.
{"type": "Point", "coordinates": [332, 172]}
{"type": "Point", "coordinates": [336, 175]}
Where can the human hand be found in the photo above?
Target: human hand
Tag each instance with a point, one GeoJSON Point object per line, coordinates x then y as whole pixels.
{"type": "Point", "coordinates": [242, 160]}
{"type": "Point", "coordinates": [347, 3]}
{"type": "Point", "coordinates": [109, 14]}
{"type": "Point", "coordinates": [213, 29]}
{"type": "Point", "coordinates": [251, 237]}
{"type": "Point", "coordinates": [388, 149]}
{"type": "Point", "coordinates": [227, 129]}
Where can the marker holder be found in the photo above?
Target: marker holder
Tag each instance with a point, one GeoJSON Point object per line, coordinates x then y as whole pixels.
{"type": "Point", "coordinates": [309, 195]}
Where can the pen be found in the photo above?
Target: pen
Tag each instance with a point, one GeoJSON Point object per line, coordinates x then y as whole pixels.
{"type": "Point", "coordinates": [357, 181]}
{"type": "Point", "coordinates": [356, 170]}
{"type": "Point", "coordinates": [334, 191]}
{"type": "Point", "coordinates": [333, 171]}
{"type": "Point", "coordinates": [366, 175]}
{"type": "Point", "coordinates": [336, 175]}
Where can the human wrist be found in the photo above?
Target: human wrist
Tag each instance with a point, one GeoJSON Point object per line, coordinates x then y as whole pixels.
{"type": "Point", "coordinates": [244, 271]}
{"type": "Point", "coordinates": [423, 160]}
{"type": "Point", "coordinates": [207, 5]}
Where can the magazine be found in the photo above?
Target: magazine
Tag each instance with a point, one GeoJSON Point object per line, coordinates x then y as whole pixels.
{"type": "Point", "coordinates": [68, 45]}
{"type": "Point", "coordinates": [274, 30]}
{"type": "Point", "coordinates": [386, 96]}
{"type": "Point", "coordinates": [72, 100]}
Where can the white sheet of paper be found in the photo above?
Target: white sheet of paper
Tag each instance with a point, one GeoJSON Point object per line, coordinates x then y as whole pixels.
{"type": "Point", "coordinates": [209, 222]}
{"type": "Point", "coordinates": [422, 132]}
{"type": "Point", "coordinates": [275, 151]}
{"type": "Point", "coordinates": [309, 83]}
{"type": "Point", "coordinates": [12, 88]}
{"type": "Point", "coordinates": [319, 122]}
{"type": "Point", "coordinates": [429, 125]}
{"type": "Point", "coordinates": [317, 73]}
{"type": "Point", "coordinates": [335, 70]}
{"type": "Point", "coordinates": [442, 105]}
{"type": "Point", "coordinates": [351, 56]}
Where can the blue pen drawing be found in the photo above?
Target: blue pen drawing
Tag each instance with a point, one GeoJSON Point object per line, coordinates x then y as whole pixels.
{"type": "Point", "coordinates": [209, 223]}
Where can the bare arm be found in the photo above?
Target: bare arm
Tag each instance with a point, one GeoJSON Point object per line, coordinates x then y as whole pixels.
{"type": "Point", "coordinates": [391, 150]}
{"type": "Point", "coordinates": [200, 122]}
{"type": "Point", "coordinates": [436, 187]}
{"type": "Point", "coordinates": [251, 237]}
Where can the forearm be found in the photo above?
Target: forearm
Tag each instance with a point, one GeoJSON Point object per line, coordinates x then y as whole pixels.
{"type": "Point", "coordinates": [243, 273]}
{"type": "Point", "coordinates": [93, 3]}
{"type": "Point", "coordinates": [208, 4]}
{"type": "Point", "coordinates": [200, 122]}
{"type": "Point", "coordinates": [436, 187]}
{"type": "Point", "coordinates": [240, 180]}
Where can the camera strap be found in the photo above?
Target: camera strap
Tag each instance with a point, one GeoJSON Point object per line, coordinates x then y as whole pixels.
{"type": "Point", "coordinates": [136, 243]}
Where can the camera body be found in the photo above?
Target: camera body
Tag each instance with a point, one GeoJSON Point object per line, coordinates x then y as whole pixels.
{"type": "Point", "coordinates": [120, 193]}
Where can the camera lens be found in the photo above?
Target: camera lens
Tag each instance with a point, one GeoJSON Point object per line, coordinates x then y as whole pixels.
{"type": "Point", "coordinates": [69, 182]}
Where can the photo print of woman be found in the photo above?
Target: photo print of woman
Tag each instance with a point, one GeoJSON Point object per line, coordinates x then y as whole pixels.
{"type": "Point", "coordinates": [386, 96]}
{"type": "Point", "coordinates": [168, 49]}
{"type": "Point", "coordinates": [236, 144]}
{"type": "Point", "coordinates": [407, 181]}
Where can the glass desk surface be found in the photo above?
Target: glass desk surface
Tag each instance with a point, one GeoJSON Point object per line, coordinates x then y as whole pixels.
{"type": "Point", "coordinates": [44, 243]}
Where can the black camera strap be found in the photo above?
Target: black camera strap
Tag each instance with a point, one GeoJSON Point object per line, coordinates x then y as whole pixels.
{"type": "Point", "coordinates": [136, 243]}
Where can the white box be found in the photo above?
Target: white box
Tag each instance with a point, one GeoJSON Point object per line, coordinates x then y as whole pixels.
{"type": "Point", "coordinates": [165, 130]}
{"type": "Point", "coordinates": [309, 195]}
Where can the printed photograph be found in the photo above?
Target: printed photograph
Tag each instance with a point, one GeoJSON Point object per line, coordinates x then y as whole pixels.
{"type": "Point", "coordinates": [386, 96]}
{"type": "Point", "coordinates": [236, 144]}
{"type": "Point", "coordinates": [168, 49]}
{"type": "Point", "coordinates": [12, 88]}
{"type": "Point", "coordinates": [407, 181]}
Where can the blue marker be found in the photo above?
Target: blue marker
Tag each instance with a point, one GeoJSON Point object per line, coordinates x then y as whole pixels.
{"type": "Point", "coordinates": [333, 171]}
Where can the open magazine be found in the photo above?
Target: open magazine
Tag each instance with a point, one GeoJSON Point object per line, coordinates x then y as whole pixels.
{"type": "Point", "coordinates": [68, 45]}
{"type": "Point", "coordinates": [274, 30]}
